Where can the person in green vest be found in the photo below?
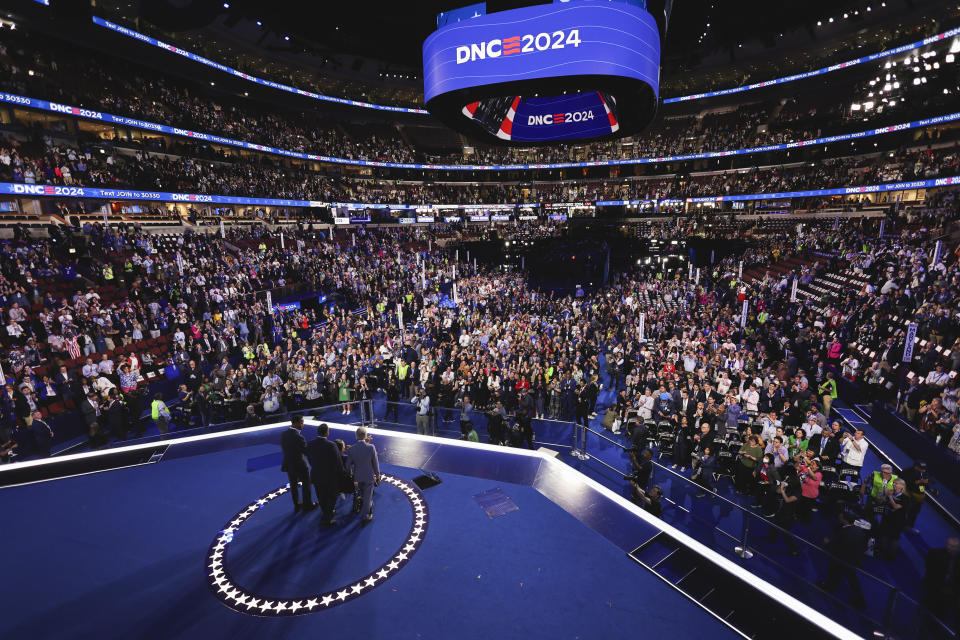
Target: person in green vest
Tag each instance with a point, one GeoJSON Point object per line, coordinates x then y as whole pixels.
{"type": "Point", "coordinates": [828, 392]}
{"type": "Point", "coordinates": [471, 434]}
{"type": "Point", "coordinates": [247, 352]}
{"type": "Point", "coordinates": [107, 273]}
{"type": "Point", "coordinates": [877, 484]}
{"type": "Point", "coordinates": [160, 413]}
{"type": "Point", "coordinates": [762, 317]}
{"type": "Point", "coordinates": [403, 372]}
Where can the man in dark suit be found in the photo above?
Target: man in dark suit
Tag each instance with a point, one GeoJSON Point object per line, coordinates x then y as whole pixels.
{"type": "Point", "coordinates": [118, 421]}
{"type": "Point", "coordinates": [363, 464]}
{"type": "Point", "coordinates": [90, 409]}
{"type": "Point", "coordinates": [42, 435]}
{"type": "Point", "coordinates": [687, 405]}
{"type": "Point", "coordinates": [848, 543]}
{"type": "Point", "coordinates": [294, 447]}
{"type": "Point", "coordinates": [941, 583]}
{"type": "Point", "coordinates": [326, 471]}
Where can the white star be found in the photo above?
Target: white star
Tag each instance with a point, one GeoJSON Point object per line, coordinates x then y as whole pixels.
{"type": "Point", "coordinates": [232, 594]}
{"type": "Point", "coordinates": [261, 501]}
{"type": "Point", "coordinates": [281, 605]}
{"type": "Point", "coordinates": [216, 572]}
{"type": "Point", "coordinates": [417, 530]}
{"type": "Point", "coordinates": [223, 588]}
{"type": "Point", "coordinates": [310, 604]}
{"type": "Point", "coordinates": [393, 565]}
{"type": "Point", "coordinates": [401, 556]}
{"type": "Point", "coordinates": [237, 522]}
{"type": "Point", "coordinates": [243, 599]}
{"type": "Point", "coordinates": [219, 547]}
{"type": "Point", "coordinates": [294, 606]}
{"type": "Point", "coordinates": [370, 582]}
{"type": "Point", "coordinates": [409, 547]}
{"type": "Point", "coordinates": [342, 595]}
{"type": "Point", "coordinates": [266, 606]}
{"type": "Point", "coordinates": [357, 588]}
{"type": "Point", "coordinates": [383, 573]}
{"type": "Point", "coordinates": [252, 604]}
{"type": "Point", "coordinates": [326, 600]}
{"type": "Point", "coordinates": [414, 538]}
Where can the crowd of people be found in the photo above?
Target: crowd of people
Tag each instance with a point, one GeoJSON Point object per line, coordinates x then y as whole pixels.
{"type": "Point", "coordinates": [49, 161]}
{"type": "Point", "coordinates": [700, 383]}
{"type": "Point", "coordinates": [103, 83]}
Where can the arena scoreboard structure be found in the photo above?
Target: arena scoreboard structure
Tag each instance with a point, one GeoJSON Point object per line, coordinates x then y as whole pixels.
{"type": "Point", "coordinates": [569, 71]}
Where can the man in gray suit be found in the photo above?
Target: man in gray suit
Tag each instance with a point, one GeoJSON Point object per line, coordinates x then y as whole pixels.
{"type": "Point", "coordinates": [363, 463]}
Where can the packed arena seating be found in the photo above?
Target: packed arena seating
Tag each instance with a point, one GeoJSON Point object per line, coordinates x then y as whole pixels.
{"type": "Point", "coordinates": [44, 161]}
{"type": "Point", "coordinates": [92, 81]}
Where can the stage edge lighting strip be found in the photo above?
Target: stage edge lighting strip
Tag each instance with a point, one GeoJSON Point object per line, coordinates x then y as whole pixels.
{"type": "Point", "coordinates": [130, 33]}
{"type": "Point", "coordinates": [18, 189]}
{"type": "Point", "coordinates": [93, 114]}
{"type": "Point", "coordinates": [810, 613]}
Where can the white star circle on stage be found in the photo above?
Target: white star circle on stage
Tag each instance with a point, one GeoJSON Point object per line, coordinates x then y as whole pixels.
{"type": "Point", "coordinates": [232, 595]}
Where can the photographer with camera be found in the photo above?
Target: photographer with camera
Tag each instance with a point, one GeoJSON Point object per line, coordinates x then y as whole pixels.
{"type": "Point", "coordinates": [497, 424]}
{"type": "Point", "coordinates": [649, 500]}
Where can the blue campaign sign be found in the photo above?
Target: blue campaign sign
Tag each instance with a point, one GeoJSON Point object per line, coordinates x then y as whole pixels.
{"type": "Point", "coordinates": [543, 41]}
{"type": "Point", "coordinates": [581, 115]}
{"type": "Point", "coordinates": [454, 16]}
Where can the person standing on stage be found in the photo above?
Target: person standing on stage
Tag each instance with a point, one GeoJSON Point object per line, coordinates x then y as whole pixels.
{"type": "Point", "coordinates": [295, 465]}
{"type": "Point", "coordinates": [363, 463]}
{"type": "Point", "coordinates": [326, 472]}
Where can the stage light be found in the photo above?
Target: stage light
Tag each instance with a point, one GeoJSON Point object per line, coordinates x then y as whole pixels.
{"type": "Point", "coordinates": [226, 5]}
{"type": "Point", "coordinates": [949, 58]}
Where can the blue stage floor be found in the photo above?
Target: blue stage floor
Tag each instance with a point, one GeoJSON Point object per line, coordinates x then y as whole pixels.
{"type": "Point", "coordinates": [122, 554]}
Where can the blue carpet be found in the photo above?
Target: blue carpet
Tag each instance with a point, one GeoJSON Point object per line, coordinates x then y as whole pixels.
{"type": "Point", "coordinates": [121, 554]}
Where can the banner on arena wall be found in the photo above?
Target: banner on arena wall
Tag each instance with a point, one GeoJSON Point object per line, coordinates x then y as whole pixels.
{"type": "Point", "coordinates": [93, 193]}
{"type": "Point", "coordinates": [910, 340]}
{"type": "Point", "coordinates": [102, 116]}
